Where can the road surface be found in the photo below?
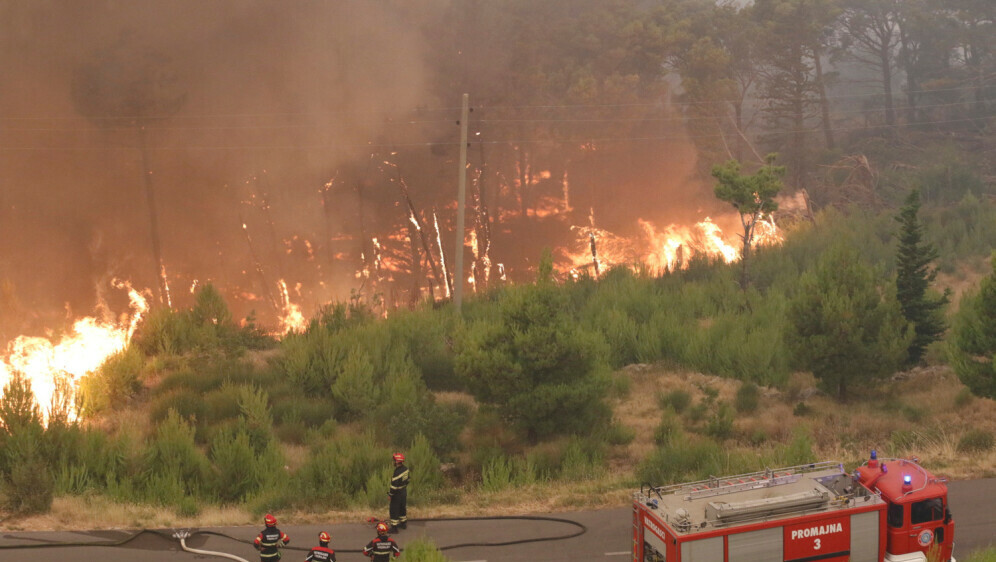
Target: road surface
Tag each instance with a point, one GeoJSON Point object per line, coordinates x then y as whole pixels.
{"type": "Point", "coordinates": [607, 538]}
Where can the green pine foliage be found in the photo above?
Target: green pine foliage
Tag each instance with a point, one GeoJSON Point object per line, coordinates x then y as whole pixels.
{"type": "Point", "coordinates": [914, 274]}
{"type": "Point", "coordinates": [536, 366]}
{"type": "Point", "coordinates": [972, 345]}
{"type": "Point", "coordinates": [204, 328]}
{"type": "Point", "coordinates": [843, 326]}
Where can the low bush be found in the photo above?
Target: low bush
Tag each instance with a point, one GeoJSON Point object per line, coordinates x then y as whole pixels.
{"type": "Point", "coordinates": [422, 550]}
{"type": "Point", "coordinates": [976, 441]}
{"type": "Point", "coordinates": [28, 487]}
{"type": "Point", "coordinates": [747, 398]}
{"type": "Point", "coordinates": [677, 400]}
{"type": "Point", "coordinates": [682, 461]}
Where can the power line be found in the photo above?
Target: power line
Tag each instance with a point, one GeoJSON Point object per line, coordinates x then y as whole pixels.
{"type": "Point", "coordinates": [352, 112]}
{"type": "Point", "coordinates": [390, 145]}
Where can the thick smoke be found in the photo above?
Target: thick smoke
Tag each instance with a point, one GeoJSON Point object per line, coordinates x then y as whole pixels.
{"type": "Point", "coordinates": [271, 98]}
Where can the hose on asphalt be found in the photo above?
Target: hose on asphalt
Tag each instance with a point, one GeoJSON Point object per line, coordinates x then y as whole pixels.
{"type": "Point", "coordinates": [183, 535]}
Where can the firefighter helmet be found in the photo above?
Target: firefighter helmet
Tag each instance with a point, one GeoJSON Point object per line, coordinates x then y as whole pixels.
{"type": "Point", "coordinates": [399, 457]}
{"type": "Point", "coordinates": [270, 520]}
{"type": "Point", "coordinates": [382, 528]}
{"type": "Point", "coordinates": [324, 537]}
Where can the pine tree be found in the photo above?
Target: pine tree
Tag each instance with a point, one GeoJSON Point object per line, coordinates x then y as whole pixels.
{"type": "Point", "coordinates": [913, 278]}
{"type": "Point", "coordinates": [973, 338]}
{"type": "Point", "coordinates": [842, 326]}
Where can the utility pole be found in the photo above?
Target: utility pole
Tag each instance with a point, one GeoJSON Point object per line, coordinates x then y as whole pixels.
{"type": "Point", "coordinates": [461, 203]}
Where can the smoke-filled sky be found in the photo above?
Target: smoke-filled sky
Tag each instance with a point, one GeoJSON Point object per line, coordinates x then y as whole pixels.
{"type": "Point", "coordinates": [247, 109]}
{"type": "Point", "coordinates": [277, 91]}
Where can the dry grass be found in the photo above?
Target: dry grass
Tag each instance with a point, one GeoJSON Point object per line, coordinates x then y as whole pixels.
{"type": "Point", "coordinates": [921, 403]}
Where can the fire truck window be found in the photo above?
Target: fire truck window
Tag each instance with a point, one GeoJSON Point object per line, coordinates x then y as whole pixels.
{"type": "Point", "coordinates": [927, 510]}
{"type": "Point", "coordinates": [895, 515]}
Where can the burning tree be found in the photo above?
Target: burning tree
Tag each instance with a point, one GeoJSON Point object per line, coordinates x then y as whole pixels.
{"type": "Point", "coordinates": [128, 87]}
{"type": "Point", "coordinates": [752, 195]}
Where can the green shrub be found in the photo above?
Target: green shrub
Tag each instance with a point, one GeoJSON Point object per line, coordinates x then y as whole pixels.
{"type": "Point", "coordinates": [117, 379]}
{"type": "Point", "coordinates": [17, 405]}
{"type": "Point", "coordinates": [618, 434]}
{"type": "Point", "coordinates": [187, 506]}
{"type": "Point", "coordinates": [426, 477]}
{"type": "Point", "coordinates": [337, 471]}
{"type": "Point", "coordinates": [681, 461]}
{"type": "Point", "coordinates": [976, 441]}
{"type": "Point", "coordinates": [720, 425]}
{"type": "Point", "coordinates": [668, 428]}
{"type": "Point", "coordinates": [28, 487]}
{"type": "Point", "coordinates": [677, 400]}
{"type": "Point", "coordinates": [800, 449]}
{"type": "Point", "coordinates": [496, 475]}
{"type": "Point", "coordinates": [801, 410]}
{"type": "Point", "coordinates": [422, 550]}
{"type": "Point", "coordinates": [582, 461]}
{"type": "Point", "coordinates": [172, 465]}
{"type": "Point", "coordinates": [445, 423]}
{"type": "Point", "coordinates": [748, 397]}
{"type": "Point", "coordinates": [238, 469]}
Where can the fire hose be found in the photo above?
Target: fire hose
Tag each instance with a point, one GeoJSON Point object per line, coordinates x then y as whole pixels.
{"type": "Point", "coordinates": [183, 535]}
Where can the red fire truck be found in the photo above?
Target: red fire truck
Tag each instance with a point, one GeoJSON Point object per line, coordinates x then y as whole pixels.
{"type": "Point", "coordinates": [888, 510]}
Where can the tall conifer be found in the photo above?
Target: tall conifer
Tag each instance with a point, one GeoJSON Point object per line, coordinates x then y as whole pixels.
{"type": "Point", "coordinates": [913, 278]}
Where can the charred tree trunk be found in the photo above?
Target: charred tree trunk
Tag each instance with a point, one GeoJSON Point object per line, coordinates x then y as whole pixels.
{"type": "Point", "coordinates": [824, 101]}
{"type": "Point", "coordinates": [150, 194]}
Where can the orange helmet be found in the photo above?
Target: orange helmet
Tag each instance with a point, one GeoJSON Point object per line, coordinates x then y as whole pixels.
{"type": "Point", "coordinates": [270, 520]}
{"type": "Point", "coordinates": [399, 457]}
{"type": "Point", "coordinates": [381, 528]}
{"type": "Point", "coordinates": [324, 537]}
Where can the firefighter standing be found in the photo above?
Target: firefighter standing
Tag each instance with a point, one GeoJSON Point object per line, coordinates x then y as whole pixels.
{"type": "Point", "coordinates": [321, 553]}
{"type": "Point", "coordinates": [269, 540]}
{"type": "Point", "coordinates": [399, 494]}
{"type": "Point", "coordinates": [381, 548]}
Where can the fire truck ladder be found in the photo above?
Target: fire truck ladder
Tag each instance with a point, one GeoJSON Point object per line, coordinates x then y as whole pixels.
{"type": "Point", "coordinates": [729, 484]}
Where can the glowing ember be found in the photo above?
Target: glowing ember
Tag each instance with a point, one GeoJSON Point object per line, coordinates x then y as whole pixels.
{"type": "Point", "coordinates": [90, 342]}
{"type": "Point", "coordinates": [291, 319]}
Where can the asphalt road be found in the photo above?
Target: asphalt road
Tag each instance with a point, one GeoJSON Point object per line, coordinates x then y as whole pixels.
{"type": "Point", "coordinates": [607, 537]}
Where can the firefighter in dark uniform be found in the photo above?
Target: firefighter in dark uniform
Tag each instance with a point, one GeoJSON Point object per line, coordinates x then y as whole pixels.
{"type": "Point", "coordinates": [399, 494]}
{"type": "Point", "coordinates": [269, 540]}
{"type": "Point", "coordinates": [381, 548]}
{"type": "Point", "coordinates": [322, 552]}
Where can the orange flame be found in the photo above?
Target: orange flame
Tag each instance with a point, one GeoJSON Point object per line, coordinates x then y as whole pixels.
{"type": "Point", "coordinates": [291, 320]}
{"type": "Point", "coordinates": [663, 249]}
{"type": "Point", "coordinates": [90, 342]}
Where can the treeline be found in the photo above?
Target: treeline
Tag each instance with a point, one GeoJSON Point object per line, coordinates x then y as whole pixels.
{"type": "Point", "coordinates": [516, 390]}
{"type": "Point", "coordinates": [809, 79]}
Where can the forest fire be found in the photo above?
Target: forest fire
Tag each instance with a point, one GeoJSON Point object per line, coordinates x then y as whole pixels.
{"type": "Point", "coordinates": [88, 344]}
{"type": "Point", "coordinates": [661, 249]}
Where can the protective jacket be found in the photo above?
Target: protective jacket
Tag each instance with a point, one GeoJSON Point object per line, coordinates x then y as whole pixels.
{"type": "Point", "coordinates": [268, 543]}
{"type": "Point", "coordinates": [381, 548]}
{"type": "Point", "coordinates": [399, 496]}
{"type": "Point", "coordinates": [321, 554]}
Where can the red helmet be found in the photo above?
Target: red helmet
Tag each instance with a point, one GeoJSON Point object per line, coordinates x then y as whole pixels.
{"type": "Point", "coordinates": [399, 457]}
{"type": "Point", "coordinates": [382, 528]}
{"type": "Point", "coordinates": [270, 520]}
{"type": "Point", "coordinates": [324, 537]}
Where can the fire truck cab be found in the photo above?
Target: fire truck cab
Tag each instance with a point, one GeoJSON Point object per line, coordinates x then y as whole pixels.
{"type": "Point", "coordinates": [918, 517]}
{"type": "Point", "coordinates": [808, 513]}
